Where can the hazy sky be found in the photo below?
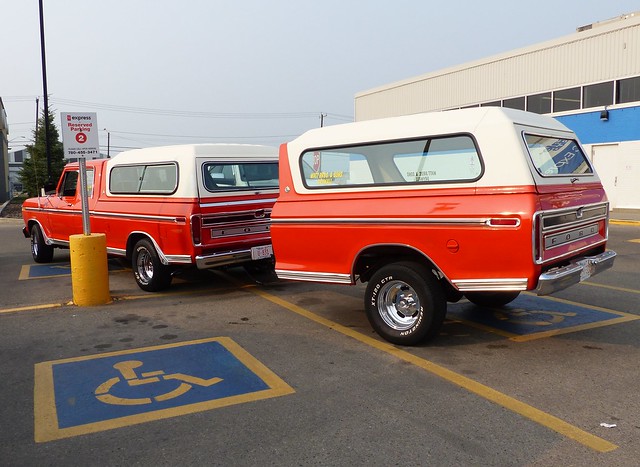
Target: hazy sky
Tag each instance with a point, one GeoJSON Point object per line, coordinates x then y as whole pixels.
{"type": "Point", "coordinates": [254, 71]}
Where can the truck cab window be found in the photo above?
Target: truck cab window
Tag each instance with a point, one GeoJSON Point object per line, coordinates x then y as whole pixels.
{"type": "Point", "coordinates": [69, 184]}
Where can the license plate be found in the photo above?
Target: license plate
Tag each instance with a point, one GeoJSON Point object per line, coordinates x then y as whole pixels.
{"type": "Point", "coordinates": [587, 271]}
{"type": "Point", "coordinates": [261, 252]}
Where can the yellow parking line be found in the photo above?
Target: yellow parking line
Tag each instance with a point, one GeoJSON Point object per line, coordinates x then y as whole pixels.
{"type": "Point", "coordinates": [612, 287]}
{"type": "Point", "coordinates": [623, 222]}
{"type": "Point", "coordinates": [31, 307]}
{"type": "Point", "coordinates": [508, 402]}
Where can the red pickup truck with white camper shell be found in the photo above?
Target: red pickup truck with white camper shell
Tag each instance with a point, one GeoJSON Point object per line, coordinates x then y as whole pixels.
{"type": "Point", "coordinates": [482, 203]}
{"type": "Point", "coordinates": [164, 208]}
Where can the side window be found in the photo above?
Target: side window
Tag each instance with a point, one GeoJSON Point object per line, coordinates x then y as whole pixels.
{"type": "Point", "coordinates": [240, 176]}
{"type": "Point", "coordinates": [158, 179]}
{"type": "Point", "coordinates": [336, 168]}
{"type": "Point", "coordinates": [451, 159]}
{"type": "Point", "coordinates": [442, 160]}
{"type": "Point", "coordinates": [69, 184]}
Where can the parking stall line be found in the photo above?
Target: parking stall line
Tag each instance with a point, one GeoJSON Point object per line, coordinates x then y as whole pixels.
{"type": "Point", "coordinates": [611, 287]}
{"type": "Point", "coordinates": [31, 307]}
{"type": "Point", "coordinates": [536, 415]}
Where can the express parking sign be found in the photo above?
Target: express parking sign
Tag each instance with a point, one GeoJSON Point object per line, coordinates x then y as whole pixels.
{"type": "Point", "coordinates": [80, 134]}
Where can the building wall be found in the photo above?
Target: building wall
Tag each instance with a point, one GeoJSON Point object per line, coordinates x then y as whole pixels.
{"type": "Point", "coordinates": [606, 52]}
{"type": "Point", "coordinates": [603, 54]}
{"type": "Point", "coordinates": [4, 150]}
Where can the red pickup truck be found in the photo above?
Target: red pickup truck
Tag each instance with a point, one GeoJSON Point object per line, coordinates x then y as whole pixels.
{"type": "Point", "coordinates": [205, 205]}
{"type": "Point", "coordinates": [482, 203]}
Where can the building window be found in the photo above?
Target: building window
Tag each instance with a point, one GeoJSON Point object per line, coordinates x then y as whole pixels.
{"type": "Point", "coordinates": [628, 90]}
{"type": "Point", "coordinates": [491, 104]}
{"type": "Point", "coordinates": [566, 99]}
{"type": "Point", "coordinates": [17, 157]}
{"type": "Point", "coordinates": [514, 103]}
{"type": "Point", "coordinates": [539, 103]}
{"type": "Point", "coordinates": [597, 95]}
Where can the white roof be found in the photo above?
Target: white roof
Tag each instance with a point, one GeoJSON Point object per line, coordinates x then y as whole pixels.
{"type": "Point", "coordinates": [186, 153]}
{"type": "Point", "coordinates": [419, 125]}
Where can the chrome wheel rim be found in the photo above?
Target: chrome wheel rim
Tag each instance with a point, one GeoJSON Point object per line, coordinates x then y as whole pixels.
{"type": "Point", "coordinates": [398, 305]}
{"type": "Point", "coordinates": [144, 265]}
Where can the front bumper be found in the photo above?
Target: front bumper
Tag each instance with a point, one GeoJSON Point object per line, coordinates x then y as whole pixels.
{"type": "Point", "coordinates": [578, 271]}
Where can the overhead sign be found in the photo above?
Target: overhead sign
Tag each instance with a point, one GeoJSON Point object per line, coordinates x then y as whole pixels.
{"type": "Point", "coordinates": [80, 134]}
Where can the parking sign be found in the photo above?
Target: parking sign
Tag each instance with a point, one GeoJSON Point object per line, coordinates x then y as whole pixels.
{"type": "Point", "coordinates": [80, 134]}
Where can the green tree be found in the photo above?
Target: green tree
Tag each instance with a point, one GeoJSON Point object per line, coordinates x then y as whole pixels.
{"type": "Point", "coordinates": [33, 174]}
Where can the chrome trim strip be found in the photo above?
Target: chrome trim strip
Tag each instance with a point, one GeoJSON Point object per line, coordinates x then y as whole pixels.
{"type": "Point", "coordinates": [179, 259]}
{"type": "Point", "coordinates": [78, 212]}
{"type": "Point", "coordinates": [329, 277]}
{"type": "Point", "coordinates": [116, 251]}
{"type": "Point", "coordinates": [59, 243]}
{"type": "Point", "coordinates": [238, 203]}
{"type": "Point", "coordinates": [112, 215]}
{"type": "Point", "coordinates": [489, 285]}
{"type": "Point", "coordinates": [381, 220]}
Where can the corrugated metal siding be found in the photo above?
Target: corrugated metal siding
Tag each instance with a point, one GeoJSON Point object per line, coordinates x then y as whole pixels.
{"type": "Point", "coordinates": [601, 54]}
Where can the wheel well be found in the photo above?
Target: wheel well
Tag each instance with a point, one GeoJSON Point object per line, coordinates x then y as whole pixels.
{"type": "Point", "coordinates": [131, 242]}
{"type": "Point", "coordinates": [373, 258]}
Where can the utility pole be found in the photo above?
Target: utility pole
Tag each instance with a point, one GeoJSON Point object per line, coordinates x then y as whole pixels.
{"type": "Point", "coordinates": [322, 115]}
{"type": "Point", "coordinates": [108, 143]}
{"type": "Point", "coordinates": [46, 96]}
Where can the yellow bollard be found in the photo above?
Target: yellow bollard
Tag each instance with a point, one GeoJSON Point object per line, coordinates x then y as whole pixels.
{"type": "Point", "coordinates": [89, 269]}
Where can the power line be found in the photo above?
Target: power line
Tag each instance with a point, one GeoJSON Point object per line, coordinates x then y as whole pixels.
{"type": "Point", "coordinates": [115, 132]}
{"type": "Point", "coordinates": [184, 113]}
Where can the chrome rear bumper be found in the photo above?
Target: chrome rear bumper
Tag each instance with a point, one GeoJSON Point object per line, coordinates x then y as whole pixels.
{"type": "Point", "coordinates": [578, 271]}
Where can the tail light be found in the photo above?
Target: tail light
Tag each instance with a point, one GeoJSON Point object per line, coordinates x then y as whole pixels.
{"type": "Point", "coordinates": [537, 235]}
{"type": "Point", "coordinates": [196, 230]}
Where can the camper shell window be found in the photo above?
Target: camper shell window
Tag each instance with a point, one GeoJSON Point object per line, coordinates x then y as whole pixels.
{"type": "Point", "coordinates": [143, 179]}
{"type": "Point", "coordinates": [443, 159]}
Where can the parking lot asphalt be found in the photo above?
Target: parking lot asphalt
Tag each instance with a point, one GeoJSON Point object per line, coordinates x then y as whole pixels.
{"type": "Point", "coordinates": [223, 370]}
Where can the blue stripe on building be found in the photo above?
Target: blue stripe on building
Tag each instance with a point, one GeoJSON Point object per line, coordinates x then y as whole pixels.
{"type": "Point", "coordinates": [622, 125]}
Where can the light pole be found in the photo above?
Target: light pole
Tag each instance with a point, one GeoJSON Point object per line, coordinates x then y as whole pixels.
{"type": "Point", "coordinates": [46, 96]}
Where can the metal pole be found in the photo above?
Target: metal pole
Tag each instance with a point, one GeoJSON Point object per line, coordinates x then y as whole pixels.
{"type": "Point", "coordinates": [84, 196]}
{"type": "Point", "coordinates": [46, 96]}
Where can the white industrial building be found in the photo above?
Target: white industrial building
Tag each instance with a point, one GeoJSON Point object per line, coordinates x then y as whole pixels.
{"type": "Point", "coordinates": [589, 80]}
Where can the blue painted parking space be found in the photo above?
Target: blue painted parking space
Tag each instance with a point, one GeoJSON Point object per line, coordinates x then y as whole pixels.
{"type": "Point", "coordinates": [99, 392]}
{"type": "Point", "coordinates": [43, 271]}
{"type": "Point", "coordinates": [531, 317]}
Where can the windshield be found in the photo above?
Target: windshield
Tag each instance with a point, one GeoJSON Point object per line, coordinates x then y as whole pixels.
{"type": "Point", "coordinates": [556, 156]}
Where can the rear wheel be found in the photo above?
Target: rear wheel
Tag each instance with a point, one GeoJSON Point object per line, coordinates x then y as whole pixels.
{"type": "Point", "coordinates": [404, 303]}
{"type": "Point", "coordinates": [491, 299]}
{"type": "Point", "coordinates": [151, 275]}
{"type": "Point", "coordinates": [41, 252]}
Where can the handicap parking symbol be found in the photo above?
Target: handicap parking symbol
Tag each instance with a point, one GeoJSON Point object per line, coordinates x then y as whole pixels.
{"type": "Point", "coordinates": [530, 317]}
{"type": "Point", "coordinates": [94, 393]}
